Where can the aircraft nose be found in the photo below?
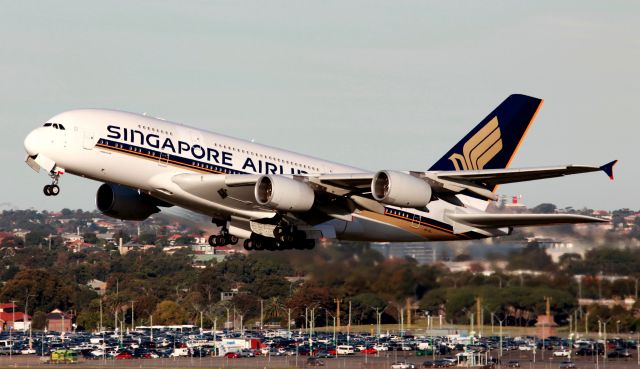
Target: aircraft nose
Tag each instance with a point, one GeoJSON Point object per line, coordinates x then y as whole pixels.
{"type": "Point", "coordinates": [31, 143]}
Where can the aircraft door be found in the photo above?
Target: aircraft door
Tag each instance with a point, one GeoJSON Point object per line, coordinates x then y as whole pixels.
{"type": "Point", "coordinates": [415, 221]}
{"type": "Point", "coordinates": [88, 140]}
{"type": "Point", "coordinates": [163, 159]}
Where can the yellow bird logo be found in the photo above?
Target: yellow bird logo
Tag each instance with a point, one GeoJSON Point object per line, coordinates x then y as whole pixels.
{"type": "Point", "coordinates": [480, 149]}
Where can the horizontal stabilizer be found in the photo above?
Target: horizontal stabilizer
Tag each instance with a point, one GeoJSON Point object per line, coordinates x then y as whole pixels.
{"type": "Point", "coordinates": [485, 220]}
{"type": "Point", "coordinates": [608, 168]}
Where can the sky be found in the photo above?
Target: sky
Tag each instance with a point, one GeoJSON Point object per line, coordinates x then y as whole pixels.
{"type": "Point", "coordinates": [373, 84]}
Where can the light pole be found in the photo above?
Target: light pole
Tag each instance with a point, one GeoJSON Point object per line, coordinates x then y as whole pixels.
{"type": "Point", "coordinates": [261, 314]}
{"type": "Point", "coordinates": [25, 320]}
{"type": "Point", "coordinates": [349, 324]}
{"type": "Point", "coordinates": [13, 325]}
{"type": "Point", "coordinates": [378, 319]}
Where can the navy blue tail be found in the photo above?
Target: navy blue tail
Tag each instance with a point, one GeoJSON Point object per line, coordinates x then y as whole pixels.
{"type": "Point", "coordinates": [494, 141]}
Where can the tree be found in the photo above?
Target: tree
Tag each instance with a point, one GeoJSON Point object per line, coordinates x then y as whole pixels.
{"type": "Point", "coordinates": [90, 237]}
{"type": "Point", "coordinates": [363, 307]}
{"type": "Point", "coordinates": [147, 239]}
{"type": "Point", "coordinates": [39, 320]}
{"type": "Point", "coordinates": [169, 312]}
{"type": "Point", "coordinates": [185, 240]}
{"type": "Point", "coordinates": [88, 320]}
{"type": "Point", "coordinates": [544, 208]}
{"type": "Point", "coordinates": [121, 233]}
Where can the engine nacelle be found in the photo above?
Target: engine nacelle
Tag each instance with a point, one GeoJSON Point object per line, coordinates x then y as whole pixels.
{"type": "Point", "coordinates": [400, 189]}
{"type": "Point", "coordinates": [125, 203]}
{"type": "Point", "coordinates": [283, 193]}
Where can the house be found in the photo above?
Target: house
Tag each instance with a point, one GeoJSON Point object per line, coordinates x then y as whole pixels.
{"type": "Point", "coordinates": [12, 319]}
{"type": "Point", "coordinates": [97, 285]}
{"type": "Point", "coordinates": [58, 321]}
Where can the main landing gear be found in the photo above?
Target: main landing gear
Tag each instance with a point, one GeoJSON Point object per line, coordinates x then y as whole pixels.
{"type": "Point", "coordinates": [286, 238]}
{"type": "Point", "coordinates": [223, 239]}
{"type": "Point", "coordinates": [52, 189]}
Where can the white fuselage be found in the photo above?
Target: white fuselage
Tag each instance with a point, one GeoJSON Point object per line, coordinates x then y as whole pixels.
{"type": "Point", "coordinates": [143, 152]}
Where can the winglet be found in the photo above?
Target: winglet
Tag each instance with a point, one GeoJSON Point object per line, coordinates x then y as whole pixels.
{"type": "Point", "coordinates": [608, 168]}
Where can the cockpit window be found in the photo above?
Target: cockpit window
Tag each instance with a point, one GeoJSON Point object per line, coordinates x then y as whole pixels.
{"type": "Point", "coordinates": [55, 126]}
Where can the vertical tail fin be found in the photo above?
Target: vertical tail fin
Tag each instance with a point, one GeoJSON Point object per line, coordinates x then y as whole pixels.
{"type": "Point", "coordinates": [493, 143]}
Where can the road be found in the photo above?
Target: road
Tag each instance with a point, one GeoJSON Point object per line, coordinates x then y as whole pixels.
{"type": "Point", "coordinates": [382, 361]}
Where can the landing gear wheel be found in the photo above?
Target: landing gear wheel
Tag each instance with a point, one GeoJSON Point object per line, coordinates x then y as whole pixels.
{"type": "Point", "coordinates": [233, 240]}
{"type": "Point", "coordinates": [309, 244]}
{"type": "Point", "coordinates": [248, 245]}
{"type": "Point", "coordinates": [54, 190]}
{"type": "Point", "coordinates": [221, 241]}
{"type": "Point", "coordinates": [212, 240]}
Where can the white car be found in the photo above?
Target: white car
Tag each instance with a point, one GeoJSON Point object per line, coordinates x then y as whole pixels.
{"type": "Point", "coordinates": [381, 347]}
{"type": "Point", "coordinates": [562, 353]}
{"type": "Point", "coordinates": [525, 348]}
{"type": "Point", "coordinates": [27, 351]}
{"type": "Point", "coordinates": [402, 365]}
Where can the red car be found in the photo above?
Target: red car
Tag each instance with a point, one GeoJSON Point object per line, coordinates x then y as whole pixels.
{"type": "Point", "coordinates": [369, 351]}
{"type": "Point", "coordinates": [124, 355]}
{"type": "Point", "coordinates": [232, 355]}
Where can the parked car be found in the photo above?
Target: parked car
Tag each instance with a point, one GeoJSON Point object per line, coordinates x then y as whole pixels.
{"type": "Point", "coordinates": [124, 355]}
{"type": "Point", "coordinates": [623, 353]}
{"type": "Point", "coordinates": [402, 365]}
{"type": "Point", "coordinates": [369, 351]}
{"type": "Point", "coordinates": [567, 364]}
{"type": "Point", "coordinates": [562, 353]}
{"type": "Point", "coordinates": [324, 354]}
{"type": "Point", "coordinates": [442, 363]}
{"type": "Point", "coordinates": [427, 364]}
{"type": "Point", "coordinates": [345, 350]}
{"type": "Point", "coordinates": [232, 355]}
{"type": "Point", "coordinates": [314, 361]}
{"type": "Point", "coordinates": [513, 364]}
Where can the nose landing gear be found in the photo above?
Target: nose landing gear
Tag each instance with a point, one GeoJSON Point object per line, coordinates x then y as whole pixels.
{"type": "Point", "coordinates": [52, 189]}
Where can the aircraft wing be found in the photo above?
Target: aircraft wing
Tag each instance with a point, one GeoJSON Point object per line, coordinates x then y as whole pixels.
{"type": "Point", "coordinates": [332, 190]}
{"type": "Point", "coordinates": [489, 220]}
{"type": "Point", "coordinates": [492, 177]}
{"type": "Point", "coordinates": [477, 183]}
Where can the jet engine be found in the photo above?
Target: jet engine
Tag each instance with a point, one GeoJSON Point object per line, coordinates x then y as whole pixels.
{"type": "Point", "coordinates": [400, 189]}
{"type": "Point", "coordinates": [283, 193]}
{"type": "Point", "coordinates": [126, 203]}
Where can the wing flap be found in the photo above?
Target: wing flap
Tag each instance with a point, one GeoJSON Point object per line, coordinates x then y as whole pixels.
{"type": "Point", "coordinates": [488, 220]}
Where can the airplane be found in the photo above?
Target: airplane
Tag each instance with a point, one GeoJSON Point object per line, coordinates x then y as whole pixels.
{"type": "Point", "coordinates": [276, 199]}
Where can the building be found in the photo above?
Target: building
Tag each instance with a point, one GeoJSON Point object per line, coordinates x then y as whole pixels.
{"type": "Point", "coordinates": [8, 313]}
{"type": "Point", "coordinates": [423, 253]}
{"type": "Point", "coordinates": [99, 286]}
{"type": "Point", "coordinates": [58, 321]}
